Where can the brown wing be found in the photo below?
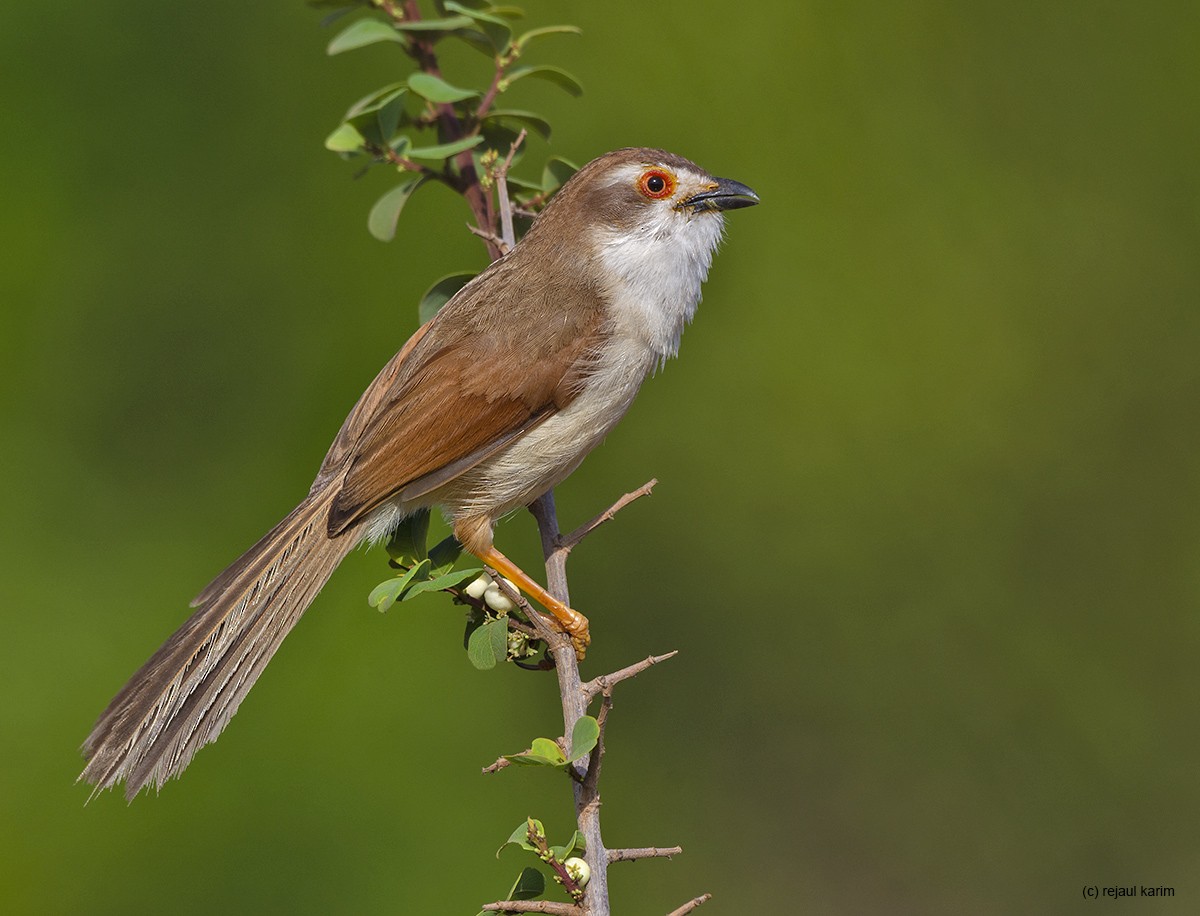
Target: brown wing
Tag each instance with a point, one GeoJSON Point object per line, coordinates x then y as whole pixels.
{"type": "Point", "coordinates": [463, 389]}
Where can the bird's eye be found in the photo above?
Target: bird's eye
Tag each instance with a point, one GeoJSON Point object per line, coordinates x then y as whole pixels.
{"type": "Point", "coordinates": [656, 184]}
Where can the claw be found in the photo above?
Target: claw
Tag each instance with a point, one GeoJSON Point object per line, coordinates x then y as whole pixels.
{"type": "Point", "coordinates": [570, 621]}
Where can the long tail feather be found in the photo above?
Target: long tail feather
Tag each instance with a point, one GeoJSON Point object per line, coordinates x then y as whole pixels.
{"type": "Point", "coordinates": [187, 692]}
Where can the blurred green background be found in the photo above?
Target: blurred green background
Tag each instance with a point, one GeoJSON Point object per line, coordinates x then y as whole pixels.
{"type": "Point", "coordinates": [926, 536]}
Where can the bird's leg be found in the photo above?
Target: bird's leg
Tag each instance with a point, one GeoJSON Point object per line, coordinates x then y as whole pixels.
{"type": "Point", "coordinates": [571, 621]}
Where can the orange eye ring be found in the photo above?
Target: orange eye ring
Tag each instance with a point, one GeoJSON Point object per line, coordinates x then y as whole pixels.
{"type": "Point", "coordinates": [656, 184]}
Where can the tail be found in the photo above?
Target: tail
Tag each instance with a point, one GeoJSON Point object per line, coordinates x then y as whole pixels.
{"type": "Point", "coordinates": [187, 692]}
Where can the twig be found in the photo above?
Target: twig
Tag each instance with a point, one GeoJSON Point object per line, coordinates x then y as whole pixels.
{"type": "Point", "coordinates": [591, 778]}
{"type": "Point", "coordinates": [383, 151]}
{"type": "Point", "coordinates": [605, 682]}
{"type": "Point", "coordinates": [493, 90]}
{"type": "Point", "coordinates": [501, 176]}
{"type": "Point", "coordinates": [562, 875]}
{"type": "Point", "coordinates": [571, 541]}
{"type": "Point", "coordinates": [533, 906]}
{"type": "Point", "coordinates": [556, 562]}
{"type": "Point", "coordinates": [500, 764]}
{"type": "Point", "coordinates": [490, 237]}
{"type": "Point", "coordinates": [648, 852]}
{"type": "Point", "coordinates": [690, 905]}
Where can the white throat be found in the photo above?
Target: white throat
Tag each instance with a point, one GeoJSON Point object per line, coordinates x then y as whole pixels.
{"type": "Point", "coordinates": [654, 275]}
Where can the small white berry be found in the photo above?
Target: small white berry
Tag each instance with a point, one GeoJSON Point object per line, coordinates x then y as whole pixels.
{"type": "Point", "coordinates": [497, 600]}
{"type": "Point", "coordinates": [578, 870]}
{"type": "Point", "coordinates": [479, 586]}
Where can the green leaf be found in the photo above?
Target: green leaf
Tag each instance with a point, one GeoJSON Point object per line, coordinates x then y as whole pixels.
{"type": "Point", "coordinates": [489, 644]}
{"type": "Point", "coordinates": [509, 12]}
{"type": "Point", "coordinates": [445, 150]}
{"type": "Point", "coordinates": [406, 544]}
{"type": "Point", "coordinates": [542, 752]}
{"type": "Point", "coordinates": [523, 183]}
{"type": "Point", "coordinates": [533, 760]}
{"type": "Point", "coordinates": [556, 173]}
{"type": "Point", "coordinates": [448, 24]}
{"type": "Point", "coordinates": [439, 294]}
{"type": "Point", "coordinates": [523, 40]}
{"type": "Point", "coordinates": [475, 619]}
{"type": "Point", "coordinates": [386, 213]}
{"type": "Point", "coordinates": [449, 580]}
{"type": "Point", "coordinates": [436, 89]}
{"type": "Point", "coordinates": [377, 118]}
{"type": "Point", "coordinates": [546, 747]}
{"type": "Point", "coordinates": [445, 552]}
{"type": "Point", "coordinates": [459, 576]}
{"type": "Point", "coordinates": [520, 836]}
{"type": "Point", "coordinates": [530, 885]}
{"type": "Point", "coordinates": [390, 114]}
{"type": "Point", "coordinates": [499, 137]}
{"type": "Point", "coordinates": [385, 594]}
{"type": "Point", "coordinates": [362, 33]}
{"type": "Point", "coordinates": [497, 30]}
{"type": "Point", "coordinates": [339, 10]}
{"type": "Point", "coordinates": [584, 736]}
{"type": "Point", "coordinates": [371, 101]}
{"type": "Point", "coordinates": [556, 75]}
{"type": "Point", "coordinates": [478, 41]}
{"type": "Point", "coordinates": [346, 139]}
{"type": "Point", "coordinates": [534, 122]}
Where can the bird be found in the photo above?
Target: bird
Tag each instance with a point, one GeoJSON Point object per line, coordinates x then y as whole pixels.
{"type": "Point", "coordinates": [490, 404]}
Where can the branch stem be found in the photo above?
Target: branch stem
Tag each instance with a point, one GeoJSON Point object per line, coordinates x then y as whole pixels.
{"type": "Point", "coordinates": [574, 706]}
{"type": "Point", "coordinates": [647, 852]}
{"type": "Point", "coordinates": [451, 129]}
{"type": "Point", "coordinates": [533, 906]}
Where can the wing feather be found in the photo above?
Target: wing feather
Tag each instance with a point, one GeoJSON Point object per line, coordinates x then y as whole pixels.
{"type": "Point", "coordinates": [462, 390]}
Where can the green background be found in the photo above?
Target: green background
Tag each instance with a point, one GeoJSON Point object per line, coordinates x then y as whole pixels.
{"type": "Point", "coordinates": [926, 535]}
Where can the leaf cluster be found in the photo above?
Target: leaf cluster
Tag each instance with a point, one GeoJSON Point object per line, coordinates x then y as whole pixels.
{"type": "Point", "coordinates": [530, 836]}
{"type": "Point", "coordinates": [490, 638]}
{"type": "Point", "coordinates": [421, 569]}
{"type": "Point", "coordinates": [431, 129]}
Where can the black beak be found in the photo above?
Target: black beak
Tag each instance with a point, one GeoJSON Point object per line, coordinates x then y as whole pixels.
{"type": "Point", "coordinates": [727, 194]}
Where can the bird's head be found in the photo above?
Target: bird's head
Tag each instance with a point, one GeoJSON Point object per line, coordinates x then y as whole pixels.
{"type": "Point", "coordinates": [643, 225]}
{"type": "Point", "coordinates": [640, 191]}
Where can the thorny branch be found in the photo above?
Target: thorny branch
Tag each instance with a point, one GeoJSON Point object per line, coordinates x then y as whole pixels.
{"type": "Point", "coordinates": [576, 696]}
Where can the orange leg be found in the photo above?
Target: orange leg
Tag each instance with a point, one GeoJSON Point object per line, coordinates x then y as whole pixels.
{"type": "Point", "coordinates": [571, 621]}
